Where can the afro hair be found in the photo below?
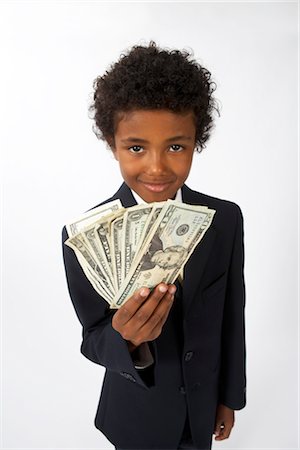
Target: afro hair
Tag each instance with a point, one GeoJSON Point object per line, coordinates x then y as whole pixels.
{"type": "Point", "coordinates": [148, 77]}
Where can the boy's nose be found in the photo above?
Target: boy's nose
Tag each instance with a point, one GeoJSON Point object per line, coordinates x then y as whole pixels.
{"type": "Point", "coordinates": [156, 164]}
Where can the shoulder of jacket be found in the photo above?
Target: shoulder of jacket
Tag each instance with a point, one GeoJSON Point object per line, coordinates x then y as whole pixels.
{"type": "Point", "coordinates": [215, 202]}
{"type": "Point", "coordinates": [102, 203]}
{"type": "Point", "coordinates": [220, 202]}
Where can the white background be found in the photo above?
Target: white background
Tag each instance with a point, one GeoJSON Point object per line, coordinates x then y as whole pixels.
{"type": "Point", "coordinates": [55, 168]}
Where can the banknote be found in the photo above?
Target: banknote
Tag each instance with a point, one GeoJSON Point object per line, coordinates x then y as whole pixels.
{"type": "Point", "coordinates": [134, 223]}
{"type": "Point", "coordinates": [173, 237]}
{"type": "Point", "coordinates": [96, 249]}
{"type": "Point", "coordinates": [116, 237]}
{"type": "Point", "coordinates": [102, 233]}
{"type": "Point", "coordinates": [156, 209]}
{"type": "Point", "coordinates": [90, 266]}
{"type": "Point", "coordinates": [122, 249]}
{"type": "Point", "coordinates": [91, 216]}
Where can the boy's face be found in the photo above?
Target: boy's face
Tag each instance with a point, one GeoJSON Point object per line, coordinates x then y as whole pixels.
{"type": "Point", "coordinates": [155, 149]}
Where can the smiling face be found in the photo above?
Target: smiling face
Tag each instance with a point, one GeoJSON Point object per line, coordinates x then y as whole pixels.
{"type": "Point", "coordinates": [155, 149]}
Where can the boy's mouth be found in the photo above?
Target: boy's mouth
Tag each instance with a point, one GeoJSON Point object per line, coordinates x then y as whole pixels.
{"type": "Point", "coordinates": [157, 186]}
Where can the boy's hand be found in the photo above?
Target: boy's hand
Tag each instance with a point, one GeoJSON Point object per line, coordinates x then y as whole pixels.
{"type": "Point", "coordinates": [142, 317]}
{"type": "Point", "coordinates": [224, 422]}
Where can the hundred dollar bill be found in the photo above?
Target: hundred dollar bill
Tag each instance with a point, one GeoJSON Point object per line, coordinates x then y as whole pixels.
{"type": "Point", "coordinates": [92, 216]}
{"type": "Point", "coordinates": [172, 239]}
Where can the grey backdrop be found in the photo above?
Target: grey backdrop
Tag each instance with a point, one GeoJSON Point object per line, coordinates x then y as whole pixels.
{"type": "Point", "coordinates": [55, 168]}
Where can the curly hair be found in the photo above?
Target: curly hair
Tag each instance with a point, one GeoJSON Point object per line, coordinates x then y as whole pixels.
{"type": "Point", "coordinates": [148, 77]}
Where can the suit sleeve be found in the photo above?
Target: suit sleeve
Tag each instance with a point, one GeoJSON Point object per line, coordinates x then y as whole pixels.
{"type": "Point", "coordinates": [232, 391]}
{"type": "Point", "coordinates": [101, 343]}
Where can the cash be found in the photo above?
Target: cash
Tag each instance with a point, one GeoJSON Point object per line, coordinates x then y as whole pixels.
{"type": "Point", "coordinates": [121, 249]}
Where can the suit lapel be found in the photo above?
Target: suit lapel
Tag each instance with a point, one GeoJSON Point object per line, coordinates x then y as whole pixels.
{"type": "Point", "coordinates": [195, 266]}
{"type": "Point", "coordinates": [125, 195]}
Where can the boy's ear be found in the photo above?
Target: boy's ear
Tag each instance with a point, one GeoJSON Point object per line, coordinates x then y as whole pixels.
{"type": "Point", "coordinates": [115, 153]}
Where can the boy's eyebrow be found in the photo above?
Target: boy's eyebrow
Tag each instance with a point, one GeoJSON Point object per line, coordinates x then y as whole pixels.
{"type": "Point", "coordinates": [144, 141]}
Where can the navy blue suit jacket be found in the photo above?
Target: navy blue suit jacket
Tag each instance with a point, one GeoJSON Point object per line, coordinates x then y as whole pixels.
{"type": "Point", "coordinates": [199, 359]}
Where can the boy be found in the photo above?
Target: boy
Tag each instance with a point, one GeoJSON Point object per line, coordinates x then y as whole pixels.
{"type": "Point", "coordinates": [174, 357]}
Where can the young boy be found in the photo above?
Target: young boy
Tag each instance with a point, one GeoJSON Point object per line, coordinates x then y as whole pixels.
{"type": "Point", "coordinates": [175, 356]}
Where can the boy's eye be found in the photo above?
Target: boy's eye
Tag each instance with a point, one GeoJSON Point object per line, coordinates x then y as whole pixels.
{"type": "Point", "coordinates": [176, 148]}
{"type": "Point", "coordinates": [135, 149]}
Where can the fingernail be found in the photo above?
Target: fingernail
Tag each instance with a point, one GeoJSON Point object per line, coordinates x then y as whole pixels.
{"type": "Point", "coordinates": [172, 289]}
{"type": "Point", "coordinates": [143, 292]}
{"type": "Point", "coordinates": [162, 289]}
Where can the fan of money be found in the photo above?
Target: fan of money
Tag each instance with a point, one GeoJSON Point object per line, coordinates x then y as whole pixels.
{"type": "Point", "coordinates": [122, 249]}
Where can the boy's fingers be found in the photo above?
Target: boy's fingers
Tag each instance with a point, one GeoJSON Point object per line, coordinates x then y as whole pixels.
{"type": "Point", "coordinates": [218, 428]}
{"type": "Point", "coordinates": [157, 319]}
{"type": "Point", "coordinates": [224, 422]}
{"type": "Point", "coordinates": [162, 311]}
{"type": "Point", "coordinates": [127, 311]}
{"type": "Point", "coordinates": [138, 302]}
{"type": "Point", "coordinates": [160, 320]}
{"type": "Point", "coordinates": [222, 431]}
{"type": "Point", "coordinates": [144, 312]}
{"type": "Point", "coordinates": [146, 308]}
{"type": "Point", "coordinates": [156, 306]}
{"type": "Point", "coordinates": [158, 293]}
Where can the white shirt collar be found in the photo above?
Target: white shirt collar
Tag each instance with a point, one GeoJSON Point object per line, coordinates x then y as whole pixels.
{"type": "Point", "coordinates": [139, 200]}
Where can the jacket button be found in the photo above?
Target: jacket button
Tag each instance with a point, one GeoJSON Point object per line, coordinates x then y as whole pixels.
{"type": "Point", "coordinates": [188, 356]}
{"type": "Point", "coordinates": [182, 390]}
